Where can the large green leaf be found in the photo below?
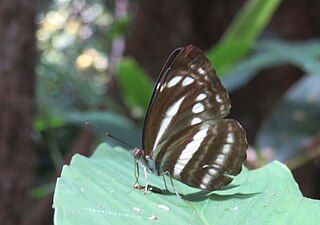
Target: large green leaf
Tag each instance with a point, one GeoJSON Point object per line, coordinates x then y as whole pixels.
{"type": "Point", "coordinates": [272, 53]}
{"type": "Point", "coordinates": [98, 190]}
{"type": "Point", "coordinates": [242, 33]}
{"type": "Point", "coordinates": [250, 21]}
{"type": "Point", "coordinates": [304, 54]}
{"type": "Point", "coordinates": [294, 120]}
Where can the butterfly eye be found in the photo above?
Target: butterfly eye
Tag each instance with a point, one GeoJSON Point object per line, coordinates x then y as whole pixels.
{"type": "Point", "coordinates": [137, 153]}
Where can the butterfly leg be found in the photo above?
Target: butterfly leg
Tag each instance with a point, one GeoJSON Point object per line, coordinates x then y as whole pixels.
{"type": "Point", "coordinates": [171, 181]}
{"type": "Point", "coordinates": [136, 175]}
{"type": "Point", "coordinates": [165, 183]}
{"type": "Point", "coordinates": [146, 177]}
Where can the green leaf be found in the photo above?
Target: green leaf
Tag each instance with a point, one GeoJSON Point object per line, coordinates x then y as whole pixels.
{"type": "Point", "coordinates": [42, 191]}
{"type": "Point", "coordinates": [240, 36]}
{"type": "Point", "coordinates": [250, 21]}
{"type": "Point", "coordinates": [223, 56]}
{"type": "Point", "coordinates": [246, 69]}
{"type": "Point", "coordinates": [272, 53]}
{"type": "Point", "coordinates": [114, 123]}
{"type": "Point", "coordinates": [119, 27]}
{"type": "Point", "coordinates": [301, 54]}
{"type": "Point", "coordinates": [41, 123]}
{"type": "Point", "coordinates": [98, 190]}
{"type": "Point", "coordinates": [110, 121]}
{"type": "Point", "coordinates": [294, 120]}
{"type": "Point", "coordinates": [98, 117]}
{"type": "Point", "coordinates": [135, 85]}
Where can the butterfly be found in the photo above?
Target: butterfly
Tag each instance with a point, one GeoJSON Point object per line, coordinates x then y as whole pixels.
{"type": "Point", "coordinates": [185, 135]}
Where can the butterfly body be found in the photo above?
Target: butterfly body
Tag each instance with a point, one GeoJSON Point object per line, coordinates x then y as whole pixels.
{"type": "Point", "coordinates": [185, 134]}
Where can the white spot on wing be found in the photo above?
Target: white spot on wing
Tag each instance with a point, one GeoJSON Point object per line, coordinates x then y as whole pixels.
{"type": "Point", "coordinates": [174, 81]}
{"type": "Point", "coordinates": [174, 108]}
{"type": "Point", "coordinates": [218, 98]}
{"type": "Point", "coordinates": [195, 121]}
{"type": "Point", "coordinates": [189, 150]}
{"type": "Point", "coordinates": [213, 172]}
{"type": "Point", "coordinates": [220, 159]}
{"type": "Point", "coordinates": [230, 138]}
{"type": "Point", "coordinates": [178, 167]}
{"type": "Point", "coordinates": [200, 97]}
{"type": "Point", "coordinates": [186, 81]}
{"type": "Point", "coordinates": [160, 87]}
{"type": "Point", "coordinates": [197, 108]}
{"type": "Point", "coordinates": [208, 177]}
{"type": "Point", "coordinates": [202, 186]}
{"type": "Point", "coordinates": [201, 71]}
{"type": "Point", "coordinates": [226, 149]}
{"type": "Point", "coordinates": [201, 134]}
{"type": "Point", "coordinates": [168, 117]}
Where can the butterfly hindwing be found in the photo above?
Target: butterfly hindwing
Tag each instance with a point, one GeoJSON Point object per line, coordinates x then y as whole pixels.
{"type": "Point", "coordinates": [204, 155]}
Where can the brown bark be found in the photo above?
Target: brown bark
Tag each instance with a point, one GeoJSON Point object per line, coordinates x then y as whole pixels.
{"type": "Point", "coordinates": [17, 77]}
{"type": "Point", "coordinates": [162, 26]}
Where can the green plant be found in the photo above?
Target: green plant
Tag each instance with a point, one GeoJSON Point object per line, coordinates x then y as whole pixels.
{"type": "Point", "coordinates": [98, 190]}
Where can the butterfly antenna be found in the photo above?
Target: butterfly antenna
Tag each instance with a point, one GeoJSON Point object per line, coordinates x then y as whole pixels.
{"type": "Point", "coordinates": [108, 134]}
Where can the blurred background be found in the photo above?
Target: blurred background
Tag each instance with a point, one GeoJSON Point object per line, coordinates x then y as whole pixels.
{"type": "Point", "coordinates": [64, 62]}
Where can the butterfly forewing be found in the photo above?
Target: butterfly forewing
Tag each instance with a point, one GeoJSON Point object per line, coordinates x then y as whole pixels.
{"type": "Point", "coordinates": [187, 92]}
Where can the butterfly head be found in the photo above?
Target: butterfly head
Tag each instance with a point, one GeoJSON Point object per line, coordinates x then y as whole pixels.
{"type": "Point", "coordinates": [137, 153]}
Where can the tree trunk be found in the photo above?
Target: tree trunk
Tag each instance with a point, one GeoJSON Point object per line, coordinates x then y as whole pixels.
{"type": "Point", "coordinates": [17, 78]}
{"type": "Point", "coordinates": [162, 26]}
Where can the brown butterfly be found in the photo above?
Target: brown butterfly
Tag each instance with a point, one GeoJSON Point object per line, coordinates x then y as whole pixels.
{"type": "Point", "coordinates": [185, 135]}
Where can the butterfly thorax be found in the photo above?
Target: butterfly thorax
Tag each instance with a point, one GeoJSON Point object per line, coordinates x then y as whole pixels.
{"type": "Point", "coordinates": [144, 160]}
